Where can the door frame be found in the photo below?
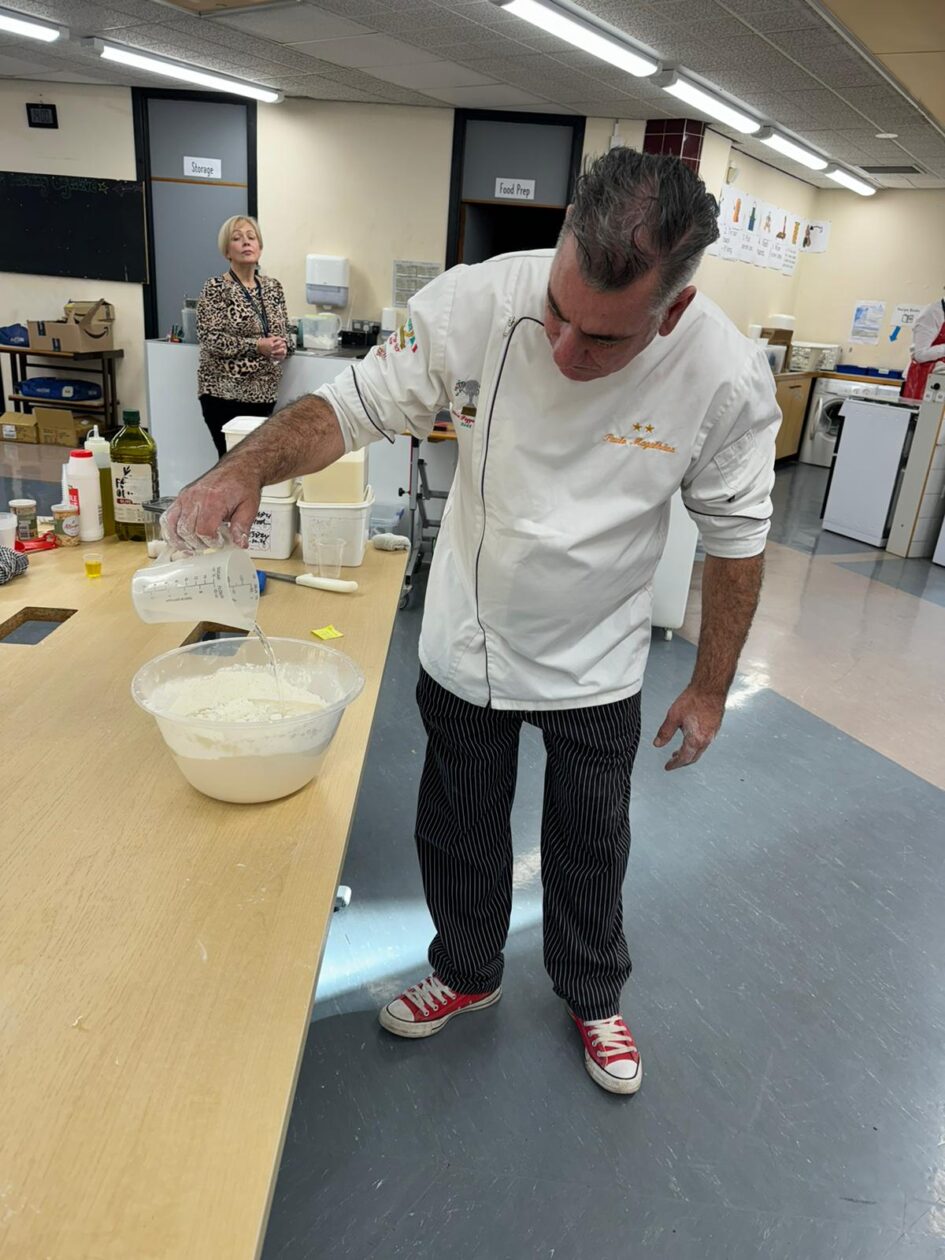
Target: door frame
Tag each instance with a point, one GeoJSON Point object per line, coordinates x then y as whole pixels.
{"type": "Point", "coordinates": [139, 109]}
{"type": "Point", "coordinates": [577, 123]}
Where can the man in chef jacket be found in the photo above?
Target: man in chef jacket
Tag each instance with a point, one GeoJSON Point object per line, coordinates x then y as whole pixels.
{"type": "Point", "coordinates": [603, 383]}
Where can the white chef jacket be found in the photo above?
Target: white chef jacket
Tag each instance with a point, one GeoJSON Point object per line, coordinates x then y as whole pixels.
{"type": "Point", "coordinates": [924, 332]}
{"type": "Point", "coordinates": [539, 594]}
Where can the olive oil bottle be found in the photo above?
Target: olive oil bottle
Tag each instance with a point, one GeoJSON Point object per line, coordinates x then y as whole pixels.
{"type": "Point", "coordinates": [134, 476]}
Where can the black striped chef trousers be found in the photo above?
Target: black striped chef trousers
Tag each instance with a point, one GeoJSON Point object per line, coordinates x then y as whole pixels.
{"type": "Point", "coordinates": [464, 840]}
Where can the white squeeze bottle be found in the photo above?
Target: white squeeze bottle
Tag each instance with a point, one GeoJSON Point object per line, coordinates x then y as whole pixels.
{"type": "Point", "coordinates": [85, 493]}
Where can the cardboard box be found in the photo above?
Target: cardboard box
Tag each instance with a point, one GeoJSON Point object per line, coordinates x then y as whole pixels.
{"type": "Point", "coordinates": [85, 327]}
{"type": "Point", "coordinates": [57, 426]}
{"type": "Point", "coordinates": [17, 427]}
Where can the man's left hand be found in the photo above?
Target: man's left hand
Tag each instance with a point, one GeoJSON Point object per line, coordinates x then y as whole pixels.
{"type": "Point", "coordinates": [699, 716]}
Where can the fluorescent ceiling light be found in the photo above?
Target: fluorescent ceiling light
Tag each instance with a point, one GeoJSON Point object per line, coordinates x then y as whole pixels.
{"type": "Point", "coordinates": [711, 104]}
{"type": "Point", "coordinates": [180, 70]}
{"type": "Point", "coordinates": [850, 181]}
{"type": "Point", "coordinates": [17, 24]}
{"type": "Point", "coordinates": [774, 139]}
{"type": "Point", "coordinates": [581, 34]}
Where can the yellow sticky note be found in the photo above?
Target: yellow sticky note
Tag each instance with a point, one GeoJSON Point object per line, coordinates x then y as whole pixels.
{"type": "Point", "coordinates": [328, 632]}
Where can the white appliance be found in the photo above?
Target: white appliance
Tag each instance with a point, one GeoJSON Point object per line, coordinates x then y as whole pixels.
{"type": "Point", "coordinates": [674, 571]}
{"type": "Point", "coordinates": [813, 356]}
{"type": "Point", "coordinates": [820, 432]}
{"type": "Point", "coordinates": [326, 280]}
{"type": "Point", "coordinates": [868, 463]}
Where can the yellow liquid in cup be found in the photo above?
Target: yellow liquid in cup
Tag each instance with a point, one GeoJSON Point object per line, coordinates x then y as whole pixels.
{"type": "Point", "coordinates": [93, 568]}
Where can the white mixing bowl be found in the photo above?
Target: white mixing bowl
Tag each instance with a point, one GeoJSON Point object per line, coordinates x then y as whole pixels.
{"type": "Point", "coordinates": [248, 762]}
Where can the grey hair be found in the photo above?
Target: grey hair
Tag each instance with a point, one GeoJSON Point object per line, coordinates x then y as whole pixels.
{"type": "Point", "coordinates": [632, 212]}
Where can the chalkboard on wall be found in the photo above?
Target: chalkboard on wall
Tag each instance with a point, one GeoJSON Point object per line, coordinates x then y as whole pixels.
{"type": "Point", "coordinates": [66, 225]}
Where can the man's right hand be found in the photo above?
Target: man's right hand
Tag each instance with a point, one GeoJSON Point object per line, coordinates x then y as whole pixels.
{"type": "Point", "coordinates": [229, 492]}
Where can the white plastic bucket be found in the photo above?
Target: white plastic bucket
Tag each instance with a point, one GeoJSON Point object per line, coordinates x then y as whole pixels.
{"type": "Point", "coordinates": [336, 520]}
{"type": "Point", "coordinates": [234, 431]}
{"type": "Point", "coordinates": [273, 532]}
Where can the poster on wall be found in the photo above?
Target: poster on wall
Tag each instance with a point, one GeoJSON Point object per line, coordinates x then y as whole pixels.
{"type": "Point", "coordinates": [764, 233]}
{"type": "Point", "coordinates": [730, 222]}
{"type": "Point", "coordinates": [749, 233]}
{"type": "Point", "coordinates": [780, 228]}
{"type": "Point", "coordinates": [816, 236]}
{"type": "Point", "coordinates": [867, 321]}
{"type": "Point", "coordinates": [904, 316]}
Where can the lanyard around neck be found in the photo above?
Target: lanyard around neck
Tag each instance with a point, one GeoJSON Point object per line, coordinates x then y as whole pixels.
{"type": "Point", "coordinates": [256, 303]}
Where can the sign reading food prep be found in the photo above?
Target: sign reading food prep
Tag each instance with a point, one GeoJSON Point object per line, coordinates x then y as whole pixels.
{"type": "Point", "coordinates": [203, 168]}
{"type": "Point", "coordinates": [515, 189]}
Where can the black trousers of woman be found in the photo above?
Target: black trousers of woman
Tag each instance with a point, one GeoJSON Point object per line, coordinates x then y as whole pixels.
{"type": "Point", "coordinates": [219, 411]}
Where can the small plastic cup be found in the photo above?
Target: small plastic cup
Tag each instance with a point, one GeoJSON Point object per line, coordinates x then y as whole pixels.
{"type": "Point", "coordinates": [93, 564]}
{"type": "Point", "coordinates": [329, 552]}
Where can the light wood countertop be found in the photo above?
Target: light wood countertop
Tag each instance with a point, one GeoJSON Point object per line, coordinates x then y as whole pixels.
{"type": "Point", "coordinates": [158, 949]}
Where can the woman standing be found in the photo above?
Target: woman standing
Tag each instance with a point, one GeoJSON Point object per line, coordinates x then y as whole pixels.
{"type": "Point", "coordinates": [242, 327]}
{"type": "Point", "coordinates": [928, 348]}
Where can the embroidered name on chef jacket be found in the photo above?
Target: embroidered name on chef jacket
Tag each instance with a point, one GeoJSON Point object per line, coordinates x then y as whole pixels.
{"type": "Point", "coordinates": [640, 439]}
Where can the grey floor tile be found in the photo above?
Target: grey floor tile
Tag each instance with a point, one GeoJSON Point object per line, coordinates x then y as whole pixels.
{"type": "Point", "coordinates": [918, 577]}
{"type": "Point", "coordinates": [783, 907]}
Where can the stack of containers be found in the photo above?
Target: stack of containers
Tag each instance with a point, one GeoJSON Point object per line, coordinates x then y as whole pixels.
{"type": "Point", "coordinates": [274, 532]}
{"type": "Point", "coordinates": [336, 503]}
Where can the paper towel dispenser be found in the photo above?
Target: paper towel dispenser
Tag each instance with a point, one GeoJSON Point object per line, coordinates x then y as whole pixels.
{"type": "Point", "coordinates": [326, 280]}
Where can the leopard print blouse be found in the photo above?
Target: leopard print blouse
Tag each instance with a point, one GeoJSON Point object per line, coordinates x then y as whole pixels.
{"type": "Point", "coordinates": [228, 328]}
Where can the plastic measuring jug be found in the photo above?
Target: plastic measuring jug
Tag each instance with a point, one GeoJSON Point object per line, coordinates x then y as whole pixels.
{"type": "Point", "coordinates": [219, 586]}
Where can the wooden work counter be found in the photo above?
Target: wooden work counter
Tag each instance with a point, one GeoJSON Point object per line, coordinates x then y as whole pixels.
{"type": "Point", "coordinates": [158, 949]}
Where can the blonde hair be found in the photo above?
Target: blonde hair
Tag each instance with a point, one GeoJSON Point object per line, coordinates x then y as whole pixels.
{"type": "Point", "coordinates": [226, 231]}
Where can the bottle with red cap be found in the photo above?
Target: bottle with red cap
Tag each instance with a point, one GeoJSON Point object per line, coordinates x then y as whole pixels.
{"type": "Point", "coordinates": [85, 493]}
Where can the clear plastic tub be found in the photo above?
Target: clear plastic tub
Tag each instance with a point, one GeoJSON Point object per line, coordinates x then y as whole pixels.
{"type": "Point", "coordinates": [249, 761]}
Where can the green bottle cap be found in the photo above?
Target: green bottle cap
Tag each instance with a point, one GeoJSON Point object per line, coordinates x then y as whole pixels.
{"type": "Point", "coordinates": [131, 417]}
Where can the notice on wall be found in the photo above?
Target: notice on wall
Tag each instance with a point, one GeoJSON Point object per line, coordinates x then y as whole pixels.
{"type": "Point", "coordinates": [203, 168]}
{"type": "Point", "coordinates": [904, 316]}
{"type": "Point", "coordinates": [816, 236]}
{"type": "Point", "coordinates": [868, 319]}
{"type": "Point", "coordinates": [515, 189]}
{"type": "Point", "coordinates": [748, 235]}
{"type": "Point", "coordinates": [779, 235]}
{"type": "Point", "coordinates": [765, 235]}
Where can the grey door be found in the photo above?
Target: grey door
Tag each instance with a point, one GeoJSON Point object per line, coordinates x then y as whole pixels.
{"type": "Point", "coordinates": [188, 211]}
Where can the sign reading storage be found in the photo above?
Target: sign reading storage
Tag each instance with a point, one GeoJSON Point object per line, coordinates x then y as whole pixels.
{"type": "Point", "coordinates": [203, 168]}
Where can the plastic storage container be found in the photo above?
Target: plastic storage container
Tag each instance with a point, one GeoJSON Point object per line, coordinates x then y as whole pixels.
{"type": "Point", "coordinates": [344, 481]}
{"type": "Point", "coordinates": [274, 531]}
{"type": "Point", "coordinates": [153, 512]}
{"type": "Point", "coordinates": [234, 431]}
{"type": "Point", "coordinates": [246, 762]}
{"type": "Point", "coordinates": [336, 520]}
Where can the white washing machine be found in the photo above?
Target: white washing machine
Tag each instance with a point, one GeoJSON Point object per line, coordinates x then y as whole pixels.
{"type": "Point", "coordinates": [820, 433]}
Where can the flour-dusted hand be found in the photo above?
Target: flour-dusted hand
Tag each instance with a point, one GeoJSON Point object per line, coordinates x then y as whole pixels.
{"type": "Point", "coordinates": [699, 717]}
{"type": "Point", "coordinates": [228, 493]}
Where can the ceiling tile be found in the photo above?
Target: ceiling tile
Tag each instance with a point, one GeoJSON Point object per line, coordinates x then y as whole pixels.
{"type": "Point", "coordinates": [365, 51]}
{"type": "Point", "coordinates": [437, 74]}
{"type": "Point", "coordinates": [494, 97]}
{"type": "Point", "coordinates": [292, 25]}
{"type": "Point", "coordinates": [821, 107]}
{"type": "Point", "coordinates": [775, 15]}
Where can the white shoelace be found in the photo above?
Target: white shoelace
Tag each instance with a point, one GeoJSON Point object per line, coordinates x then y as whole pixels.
{"type": "Point", "coordinates": [429, 994]}
{"type": "Point", "coordinates": [611, 1037]}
